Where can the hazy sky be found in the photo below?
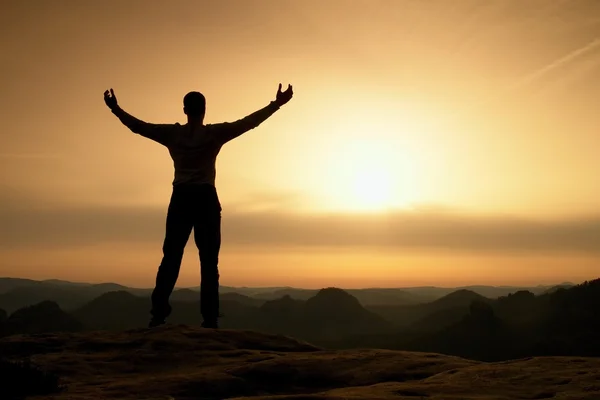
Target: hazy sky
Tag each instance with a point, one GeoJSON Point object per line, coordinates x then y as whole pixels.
{"type": "Point", "coordinates": [428, 142]}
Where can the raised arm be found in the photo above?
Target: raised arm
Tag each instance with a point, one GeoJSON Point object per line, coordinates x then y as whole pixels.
{"type": "Point", "coordinates": [156, 132]}
{"type": "Point", "coordinates": [230, 130]}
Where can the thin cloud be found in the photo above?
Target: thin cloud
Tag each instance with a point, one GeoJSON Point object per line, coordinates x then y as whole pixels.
{"type": "Point", "coordinates": [565, 59]}
{"type": "Point", "coordinates": [31, 228]}
{"type": "Point", "coordinates": [268, 201]}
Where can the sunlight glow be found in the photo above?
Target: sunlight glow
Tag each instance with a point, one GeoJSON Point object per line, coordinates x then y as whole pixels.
{"type": "Point", "coordinates": [368, 176]}
{"type": "Point", "coordinates": [372, 187]}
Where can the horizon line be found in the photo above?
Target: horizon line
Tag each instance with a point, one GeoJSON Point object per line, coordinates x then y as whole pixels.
{"type": "Point", "coordinates": [304, 288]}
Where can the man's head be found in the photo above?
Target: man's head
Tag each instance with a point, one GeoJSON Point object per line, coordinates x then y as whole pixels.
{"type": "Point", "coordinates": [194, 104]}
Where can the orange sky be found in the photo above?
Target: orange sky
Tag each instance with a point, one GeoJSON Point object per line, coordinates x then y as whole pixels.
{"type": "Point", "coordinates": [438, 143]}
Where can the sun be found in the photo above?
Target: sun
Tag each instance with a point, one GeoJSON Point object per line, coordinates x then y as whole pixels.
{"type": "Point", "coordinates": [366, 175]}
{"type": "Point", "coordinates": [372, 188]}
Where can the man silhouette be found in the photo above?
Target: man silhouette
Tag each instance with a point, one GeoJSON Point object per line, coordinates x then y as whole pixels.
{"type": "Point", "coordinates": [194, 201]}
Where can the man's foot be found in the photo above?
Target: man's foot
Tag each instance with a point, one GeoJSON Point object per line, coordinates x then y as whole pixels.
{"type": "Point", "coordinates": [156, 322]}
{"type": "Point", "coordinates": [210, 325]}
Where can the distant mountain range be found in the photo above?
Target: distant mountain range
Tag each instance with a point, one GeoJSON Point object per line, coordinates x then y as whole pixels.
{"type": "Point", "coordinates": [16, 293]}
{"type": "Point", "coordinates": [560, 320]}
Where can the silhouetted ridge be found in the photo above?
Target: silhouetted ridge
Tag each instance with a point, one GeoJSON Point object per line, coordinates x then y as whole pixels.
{"type": "Point", "coordinates": [462, 297]}
{"type": "Point", "coordinates": [3, 315]}
{"type": "Point", "coordinates": [576, 309]}
{"type": "Point", "coordinates": [185, 295]}
{"type": "Point", "coordinates": [439, 319]}
{"type": "Point", "coordinates": [333, 312]}
{"type": "Point", "coordinates": [479, 335]}
{"type": "Point", "coordinates": [481, 312]}
{"type": "Point", "coordinates": [115, 310]}
{"type": "Point", "coordinates": [27, 295]}
{"type": "Point", "coordinates": [115, 298]}
{"type": "Point", "coordinates": [109, 287]}
{"type": "Point", "coordinates": [374, 296]}
{"type": "Point", "coordinates": [331, 301]}
{"type": "Point", "coordinates": [297, 294]}
{"type": "Point", "coordinates": [7, 284]}
{"type": "Point", "coordinates": [283, 305]}
{"type": "Point", "coordinates": [40, 318]}
{"type": "Point", "coordinates": [556, 288]}
{"type": "Point", "coordinates": [241, 299]}
{"type": "Point", "coordinates": [284, 316]}
{"type": "Point", "coordinates": [522, 302]}
{"type": "Point", "coordinates": [60, 282]}
{"type": "Point", "coordinates": [447, 310]}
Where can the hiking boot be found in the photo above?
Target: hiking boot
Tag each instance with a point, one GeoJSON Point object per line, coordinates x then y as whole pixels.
{"type": "Point", "coordinates": [156, 322]}
{"type": "Point", "coordinates": [210, 324]}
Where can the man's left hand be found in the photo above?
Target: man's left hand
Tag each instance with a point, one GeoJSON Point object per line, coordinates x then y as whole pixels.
{"type": "Point", "coordinates": [284, 97]}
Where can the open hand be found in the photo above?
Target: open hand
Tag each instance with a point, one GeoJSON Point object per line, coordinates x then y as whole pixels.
{"type": "Point", "coordinates": [284, 97]}
{"type": "Point", "coordinates": [110, 99]}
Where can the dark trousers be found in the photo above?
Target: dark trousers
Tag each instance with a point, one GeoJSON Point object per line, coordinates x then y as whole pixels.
{"type": "Point", "coordinates": [197, 207]}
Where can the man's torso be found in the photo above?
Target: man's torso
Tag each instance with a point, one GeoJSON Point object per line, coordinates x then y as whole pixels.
{"type": "Point", "coordinates": [194, 154]}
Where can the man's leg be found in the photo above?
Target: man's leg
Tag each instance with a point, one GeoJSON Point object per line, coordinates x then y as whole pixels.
{"type": "Point", "coordinates": [178, 228]}
{"type": "Point", "coordinates": [207, 235]}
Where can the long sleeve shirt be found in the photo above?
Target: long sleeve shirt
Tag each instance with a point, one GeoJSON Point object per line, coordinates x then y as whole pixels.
{"type": "Point", "coordinates": [194, 151]}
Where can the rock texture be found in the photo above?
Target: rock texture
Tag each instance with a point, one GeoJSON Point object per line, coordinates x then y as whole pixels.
{"type": "Point", "coordinates": [184, 363]}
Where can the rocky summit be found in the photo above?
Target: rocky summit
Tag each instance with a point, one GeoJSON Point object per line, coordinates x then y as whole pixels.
{"type": "Point", "coordinates": [178, 362]}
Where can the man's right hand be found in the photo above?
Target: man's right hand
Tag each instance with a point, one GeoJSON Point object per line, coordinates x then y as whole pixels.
{"type": "Point", "coordinates": [110, 99]}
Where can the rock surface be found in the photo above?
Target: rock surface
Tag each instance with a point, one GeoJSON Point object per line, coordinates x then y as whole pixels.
{"type": "Point", "coordinates": [184, 363]}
